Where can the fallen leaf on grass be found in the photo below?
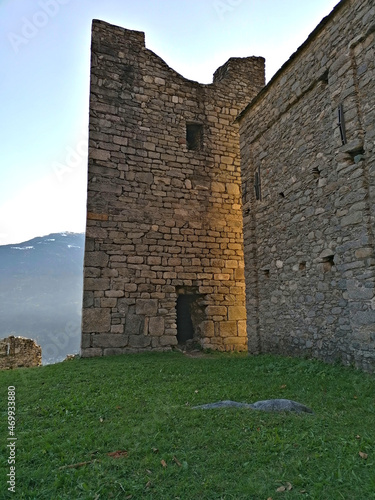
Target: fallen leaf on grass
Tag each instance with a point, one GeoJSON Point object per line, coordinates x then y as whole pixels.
{"type": "Point", "coordinates": [283, 386]}
{"type": "Point", "coordinates": [287, 487]}
{"type": "Point", "coordinates": [177, 462]}
{"type": "Point", "coordinates": [118, 454]}
{"type": "Point", "coordinates": [155, 450]}
{"type": "Point", "coordinates": [358, 436]}
{"type": "Point", "coordinates": [363, 455]}
{"type": "Point", "coordinates": [149, 484]}
{"type": "Point", "coordinates": [163, 463]}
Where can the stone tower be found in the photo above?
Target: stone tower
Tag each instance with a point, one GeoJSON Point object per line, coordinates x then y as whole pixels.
{"type": "Point", "coordinates": [164, 245]}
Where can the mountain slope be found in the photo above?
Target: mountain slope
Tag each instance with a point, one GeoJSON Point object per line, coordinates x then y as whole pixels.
{"type": "Point", "coordinates": [41, 292]}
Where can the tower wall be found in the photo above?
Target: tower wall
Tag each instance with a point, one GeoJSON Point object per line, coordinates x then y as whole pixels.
{"type": "Point", "coordinates": [164, 215]}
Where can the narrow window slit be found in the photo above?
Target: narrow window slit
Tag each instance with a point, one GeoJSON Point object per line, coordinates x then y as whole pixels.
{"type": "Point", "coordinates": [341, 124]}
{"type": "Point", "coordinates": [258, 185]}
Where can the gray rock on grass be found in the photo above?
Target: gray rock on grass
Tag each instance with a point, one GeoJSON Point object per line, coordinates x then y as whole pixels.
{"type": "Point", "coordinates": [266, 405]}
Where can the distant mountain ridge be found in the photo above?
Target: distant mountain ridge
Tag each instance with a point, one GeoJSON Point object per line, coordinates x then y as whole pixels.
{"type": "Point", "coordinates": [41, 283]}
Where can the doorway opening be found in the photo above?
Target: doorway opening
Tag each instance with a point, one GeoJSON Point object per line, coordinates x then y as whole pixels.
{"type": "Point", "coordinates": [190, 314]}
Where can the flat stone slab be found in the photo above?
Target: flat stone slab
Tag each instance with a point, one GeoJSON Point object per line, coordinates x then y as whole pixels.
{"type": "Point", "coordinates": [266, 405]}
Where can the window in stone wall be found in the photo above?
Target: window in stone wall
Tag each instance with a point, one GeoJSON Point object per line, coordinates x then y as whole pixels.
{"type": "Point", "coordinates": [194, 136]}
{"type": "Point", "coordinates": [258, 185]}
{"type": "Point", "coordinates": [341, 124]}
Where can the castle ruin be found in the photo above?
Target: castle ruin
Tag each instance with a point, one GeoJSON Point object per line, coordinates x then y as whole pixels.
{"type": "Point", "coordinates": [177, 209]}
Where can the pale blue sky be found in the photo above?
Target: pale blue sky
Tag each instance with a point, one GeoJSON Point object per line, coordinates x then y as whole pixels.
{"type": "Point", "coordinates": [45, 55]}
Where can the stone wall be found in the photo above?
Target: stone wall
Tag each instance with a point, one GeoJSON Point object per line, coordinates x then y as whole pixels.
{"type": "Point", "coordinates": [309, 241]}
{"type": "Point", "coordinates": [17, 352]}
{"type": "Point", "coordinates": [164, 217]}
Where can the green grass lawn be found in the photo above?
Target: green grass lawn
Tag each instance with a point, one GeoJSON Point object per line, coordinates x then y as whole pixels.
{"type": "Point", "coordinates": [77, 412]}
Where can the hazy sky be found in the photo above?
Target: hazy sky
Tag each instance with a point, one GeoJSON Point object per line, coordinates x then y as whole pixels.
{"type": "Point", "coordinates": [45, 56]}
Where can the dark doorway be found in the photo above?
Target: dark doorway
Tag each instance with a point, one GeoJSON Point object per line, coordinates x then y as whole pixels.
{"type": "Point", "coordinates": [185, 327]}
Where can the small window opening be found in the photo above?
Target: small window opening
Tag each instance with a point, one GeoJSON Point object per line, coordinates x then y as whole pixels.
{"type": "Point", "coordinates": [316, 172]}
{"type": "Point", "coordinates": [328, 263]}
{"type": "Point", "coordinates": [258, 185]}
{"type": "Point", "coordinates": [194, 136]}
{"type": "Point", "coordinates": [324, 77]}
{"type": "Point", "coordinates": [341, 124]}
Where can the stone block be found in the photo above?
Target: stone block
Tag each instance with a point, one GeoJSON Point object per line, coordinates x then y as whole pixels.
{"type": "Point", "coordinates": [242, 330]}
{"type": "Point", "coordinates": [117, 329]}
{"type": "Point", "coordinates": [228, 328]}
{"type": "Point", "coordinates": [134, 324]}
{"type": "Point", "coordinates": [106, 302]}
{"type": "Point", "coordinates": [236, 312]}
{"type": "Point", "coordinates": [96, 259]}
{"type": "Point", "coordinates": [208, 329]}
{"type": "Point", "coordinates": [99, 154]}
{"type": "Point", "coordinates": [216, 311]}
{"type": "Point", "coordinates": [94, 284]}
{"type": "Point", "coordinates": [96, 320]}
{"type": "Point", "coordinates": [139, 341]}
{"type": "Point", "coordinates": [122, 306]}
{"type": "Point", "coordinates": [85, 341]}
{"type": "Point", "coordinates": [168, 340]}
{"type": "Point", "coordinates": [233, 189]}
{"type": "Point", "coordinates": [114, 351]}
{"type": "Point", "coordinates": [147, 307]}
{"type": "Point", "coordinates": [156, 326]}
{"type": "Point", "coordinates": [91, 352]}
{"type": "Point", "coordinates": [106, 340]}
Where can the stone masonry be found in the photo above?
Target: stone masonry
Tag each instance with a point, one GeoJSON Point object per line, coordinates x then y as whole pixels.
{"type": "Point", "coordinates": [166, 240]}
{"type": "Point", "coordinates": [17, 352]}
{"type": "Point", "coordinates": [164, 247]}
{"type": "Point", "coordinates": [307, 145]}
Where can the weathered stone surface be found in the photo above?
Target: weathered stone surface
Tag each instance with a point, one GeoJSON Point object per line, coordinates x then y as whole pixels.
{"type": "Point", "coordinates": [156, 326]}
{"type": "Point", "coordinates": [147, 307]}
{"type": "Point", "coordinates": [236, 313]}
{"type": "Point", "coordinates": [311, 219]}
{"type": "Point", "coordinates": [139, 341]}
{"type": "Point", "coordinates": [134, 324]}
{"type": "Point", "coordinates": [109, 340]}
{"type": "Point", "coordinates": [17, 352]}
{"type": "Point", "coordinates": [266, 405]}
{"type": "Point", "coordinates": [97, 320]}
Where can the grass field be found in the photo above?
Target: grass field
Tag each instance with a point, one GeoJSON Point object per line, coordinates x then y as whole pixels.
{"type": "Point", "coordinates": [72, 418]}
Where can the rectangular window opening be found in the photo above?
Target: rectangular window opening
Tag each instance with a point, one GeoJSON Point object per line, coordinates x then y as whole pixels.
{"type": "Point", "coordinates": [194, 136]}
